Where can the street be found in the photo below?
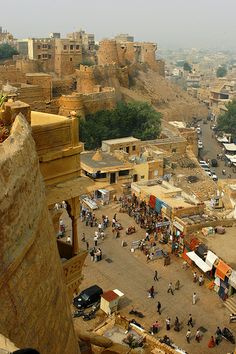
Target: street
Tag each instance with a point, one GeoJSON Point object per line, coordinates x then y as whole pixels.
{"type": "Point", "coordinates": [130, 273]}
{"type": "Point", "coordinates": [211, 148]}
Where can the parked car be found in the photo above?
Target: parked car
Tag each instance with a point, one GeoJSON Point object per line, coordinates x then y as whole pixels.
{"type": "Point", "coordinates": [198, 130]}
{"type": "Point", "coordinates": [88, 297]}
{"type": "Point", "coordinates": [214, 177]}
{"type": "Point", "coordinates": [203, 163]}
{"type": "Point", "coordinates": [208, 173]}
{"type": "Point", "coordinates": [200, 144]}
{"type": "Point", "coordinates": [214, 163]}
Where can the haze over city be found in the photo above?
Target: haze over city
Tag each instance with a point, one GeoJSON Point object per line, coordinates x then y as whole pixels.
{"type": "Point", "coordinates": [171, 23]}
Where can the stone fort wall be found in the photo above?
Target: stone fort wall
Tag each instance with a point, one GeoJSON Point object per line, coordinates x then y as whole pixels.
{"type": "Point", "coordinates": [33, 301]}
{"type": "Point", "coordinates": [126, 53]}
{"type": "Point", "coordinates": [10, 73]}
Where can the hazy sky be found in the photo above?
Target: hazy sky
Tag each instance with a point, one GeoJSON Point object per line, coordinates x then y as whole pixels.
{"type": "Point", "coordinates": [170, 23]}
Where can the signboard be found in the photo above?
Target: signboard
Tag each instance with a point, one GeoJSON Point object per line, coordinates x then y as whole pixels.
{"type": "Point", "coordinates": [178, 226]}
{"type": "Point", "coordinates": [164, 223]}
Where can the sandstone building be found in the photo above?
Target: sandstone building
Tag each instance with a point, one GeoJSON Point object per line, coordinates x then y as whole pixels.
{"type": "Point", "coordinates": [34, 304]}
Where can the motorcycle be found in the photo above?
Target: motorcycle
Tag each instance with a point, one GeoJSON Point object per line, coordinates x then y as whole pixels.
{"type": "Point", "coordinates": [89, 316]}
{"type": "Point", "coordinates": [228, 335]}
{"type": "Point", "coordinates": [78, 313]}
{"type": "Point", "coordinates": [136, 313]}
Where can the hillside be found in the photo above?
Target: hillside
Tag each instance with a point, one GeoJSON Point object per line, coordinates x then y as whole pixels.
{"type": "Point", "coordinates": [167, 98]}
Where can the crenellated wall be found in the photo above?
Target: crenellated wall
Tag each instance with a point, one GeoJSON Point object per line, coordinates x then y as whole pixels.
{"type": "Point", "coordinates": [11, 74]}
{"type": "Point", "coordinates": [33, 301]}
{"type": "Point", "coordinates": [126, 53]}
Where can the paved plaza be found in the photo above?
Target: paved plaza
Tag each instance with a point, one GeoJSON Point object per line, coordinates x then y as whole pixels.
{"type": "Point", "coordinates": [130, 273]}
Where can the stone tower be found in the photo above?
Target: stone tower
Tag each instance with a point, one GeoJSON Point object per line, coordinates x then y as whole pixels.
{"type": "Point", "coordinates": [107, 53]}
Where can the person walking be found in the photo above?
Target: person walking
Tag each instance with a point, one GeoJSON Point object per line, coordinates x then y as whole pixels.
{"type": "Point", "coordinates": [194, 277]}
{"type": "Point", "coordinates": [188, 335]}
{"type": "Point", "coordinates": [159, 307]}
{"type": "Point", "coordinates": [168, 324]}
{"type": "Point", "coordinates": [83, 237]}
{"type": "Point", "coordinates": [190, 320]}
{"type": "Point", "coordinates": [200, 280]}
{"type": "Point", "coordinates": [177, 285]}
{"type": "Point", "coordinates": [170, 288]}
{"type": "Point", "coordinates": [87, 245]}
{"type": "Point", "coordinates": [194, 298]}
{"type": "Point", "coordinates": [211, 342]}
{"type": "Point", "coordinates": [218, 335]}
{"type": "Point", "coordinates": [155, 276]}
{"type": "Point", "coordinates": [151, 292]}
{"type": "Point", "coordinates": [177, 324]}
{"type": "Point", "coordinates": [198, 335]}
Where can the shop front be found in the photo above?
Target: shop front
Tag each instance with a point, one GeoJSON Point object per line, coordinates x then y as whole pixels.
{"type": "Point", "coordinates": [222, 274]}
{"type": "Point", "coordinates": [199, 262]}
{"type": "Point", "coordinates": [178, 237]}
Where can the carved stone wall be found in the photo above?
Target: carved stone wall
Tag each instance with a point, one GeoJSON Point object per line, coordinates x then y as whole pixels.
{"type": "Point", "coordinates": [33, 300]}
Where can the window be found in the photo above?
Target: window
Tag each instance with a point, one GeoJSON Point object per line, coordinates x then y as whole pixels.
{"type": "Point", "coordinates": [124, 173]}
{"type": "Point", "coordinates": [127, 149]}
{"type": "Point", "coordinates": [45, 56]}
{"type": "Point", "coordinates": [39, 46]}
{"type": "Point", "coordinates": [71, 47]}
{"type": "Point", "coordinates": [134, 148]}
{"type": "Point", "coordinates": [49, 56]}
{"type": "Point", "coordinates": [39, 56]}
{"type": "Point", "coordinates": [65, 47]}
{"type": "Point", "coordinates": [77, 47]}
{"type": "Point", "coordinates": [142, 177]}
{"type": "Point", "coordinates": [71, 59]}
{"type": "Point", "coordinates": [49, 46]}
{"type": "Point", "coordinates": [101, 175]}
{"type": "Point", "coordinates": [173, 150]}
{"type": "Point", "coordinates": [45, 46]}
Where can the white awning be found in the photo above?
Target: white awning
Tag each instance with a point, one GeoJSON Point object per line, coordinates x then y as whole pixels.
{"type": "Point", "coordinates": [222, 140]}
{"type": "Point", "coordinates": [198, 261]}
{"type": "Point", "coordinates": [232, 158]}
{"type": "Point", "coordinates": [230, 147]}
{"type": "Point", "coordinates": [103, 191]}
{"type": "Point", "coordinates": [211, 258]}
{"type": "Point", "coordinates": [232, 279]}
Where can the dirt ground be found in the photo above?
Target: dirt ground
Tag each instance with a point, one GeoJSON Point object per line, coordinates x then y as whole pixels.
{"type": "Point", "coordinates": [130, 273]}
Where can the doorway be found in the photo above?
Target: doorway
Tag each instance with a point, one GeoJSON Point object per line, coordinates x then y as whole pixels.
{"type": "Point", "coordinates": [112, 178]}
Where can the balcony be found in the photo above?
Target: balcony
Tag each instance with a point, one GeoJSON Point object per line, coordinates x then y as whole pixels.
{"type": "Point", "coordinates": [72, 266]}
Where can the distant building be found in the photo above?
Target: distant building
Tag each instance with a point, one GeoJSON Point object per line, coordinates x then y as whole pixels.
{"type": "Point", "coordinates": [54, 35]}
{"type": "Point", "coordinates": [86, 40]}
{"type": "Point", "coordinates": [124, 37]}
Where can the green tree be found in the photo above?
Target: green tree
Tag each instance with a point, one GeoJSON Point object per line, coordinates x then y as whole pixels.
{"type": "Point", "coordinates": [136, 119]}
{"type": "Point", "coordinates": [221, 71]}
{"type": "Point", "coordinates": [227, 121]}
{"type": "Point", "coordinates": [187, 67]}
{"type": "Point", "coordinates": [7, 51]}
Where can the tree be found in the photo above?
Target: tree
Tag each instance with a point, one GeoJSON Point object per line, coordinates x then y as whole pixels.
{"type": "Point", "coordinates": [187, 67]}
{"type": "Point", "coordinates": [7, 51]}
{"type": "Point", "coordinates": [221, 71]}
{"type": "Point", "coordinates": [127, 119]}
{"type": "Point", "coordinates": [227, 121]}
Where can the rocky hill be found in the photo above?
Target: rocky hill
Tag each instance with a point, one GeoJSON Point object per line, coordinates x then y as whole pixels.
{"type": "Point", "coordinates": [167, 98]}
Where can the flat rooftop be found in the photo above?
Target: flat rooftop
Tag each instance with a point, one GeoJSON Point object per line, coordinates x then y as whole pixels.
{"type": "Point", "coordinates": [223, 245]}
{"type": "Point", "coordinates": [107, 161]}
{"type": "Point", "coordinates": [169, 194]}
{"type": "Point", "coordinates": [40, 118]}
{"type": "Point", "coordinates": [129, 139]}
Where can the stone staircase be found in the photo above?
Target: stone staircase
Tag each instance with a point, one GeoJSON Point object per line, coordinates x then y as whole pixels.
{"type": "Point", "coordinates": [230, 304]}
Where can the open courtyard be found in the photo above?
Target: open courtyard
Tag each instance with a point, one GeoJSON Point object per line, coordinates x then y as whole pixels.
{"type": "Point", "coordinates": [133, 275]}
